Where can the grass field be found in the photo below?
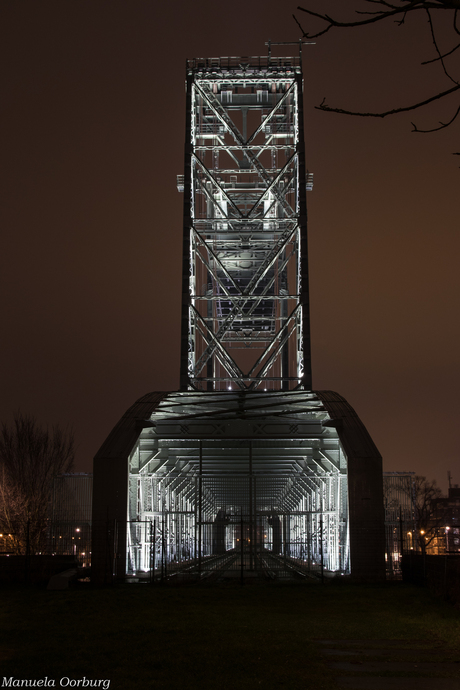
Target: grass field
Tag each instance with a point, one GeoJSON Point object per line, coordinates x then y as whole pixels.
{"type": "Point", "coordinates": [221, 636]}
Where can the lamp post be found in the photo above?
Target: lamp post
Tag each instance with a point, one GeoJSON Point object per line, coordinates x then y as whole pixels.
{"type": "Point", "coordinates": [75, 546]}
{"type": "Point", "coordinates": [422, 541]}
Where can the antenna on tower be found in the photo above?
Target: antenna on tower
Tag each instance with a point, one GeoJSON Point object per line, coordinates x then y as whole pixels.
{"type": "Point", "coordinates": [299, 43]}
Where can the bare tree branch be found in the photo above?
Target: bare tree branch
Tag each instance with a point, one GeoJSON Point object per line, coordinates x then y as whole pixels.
{"type": "Point", "coordinates": [399, 9]}
{"type": "Point", "coordinates": [30, 457]}
{"type": "Point", "coordinates": [433, 37]}
{"type": "Point", "coordinates": [298, 23]}
{"type": "Point", "coordinates": [424, 495]}
{"type": "Point", "coordinates": [394, 10]}
{"type": "Point", "coordinates": [436, 59]}
{"type": "Point", "coordinates": [456, 28]}
{"type": "Point", "coordinates": [443, 125]}
{"type": "Point", "coordinates": [322, 106]}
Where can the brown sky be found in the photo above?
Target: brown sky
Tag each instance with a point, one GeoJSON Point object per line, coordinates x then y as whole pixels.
{"type": "Point", "coordinates": [92, 136]}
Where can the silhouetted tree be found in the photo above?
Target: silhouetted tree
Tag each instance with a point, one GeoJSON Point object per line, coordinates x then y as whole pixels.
{"type": "Point", "coordinates": [425, 492]}
{"type": "Point", "coordinates": [30, 457]}
{"type": "Point", "coordinates": [369, 12]}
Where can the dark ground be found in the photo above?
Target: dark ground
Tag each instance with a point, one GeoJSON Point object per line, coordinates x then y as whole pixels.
{"type": "Point", "coordinates": [220, 636]}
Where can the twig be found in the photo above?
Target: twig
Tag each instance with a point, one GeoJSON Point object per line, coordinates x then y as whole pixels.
{"type": "Point", "coordinates": [332, 23]}
{"type": "Point", "coordinates": [388, 112]}
{"type": "Point", "coordinates": [436, 129]}
{"type": "Point", "coordinates": [428, 62]}
{"type": "Point", "coordinates": [433, 37]}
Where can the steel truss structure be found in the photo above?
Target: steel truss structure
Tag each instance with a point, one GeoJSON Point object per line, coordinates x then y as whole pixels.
{"type": "Point", "coordinates": [246, 467]}
{"type": "Point", "coordinates": [238, 479]}
{"type": "Point", "coordinates": [245, 308]}
{"type": "Point", "coordinates": [241, 468]}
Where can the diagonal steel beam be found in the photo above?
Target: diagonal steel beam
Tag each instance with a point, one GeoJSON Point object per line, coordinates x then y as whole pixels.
{"type": "Point", "coordinates": [273, 183]}
{"type": "Point", "coordinates": [272, 112]}
{"type": "Point", "coordinates": [221, 113]}
{"type": "Point", "coordinates": [211, 177]}
{"type": "Point", "coordinates": [218, 262]}
{"type": "Point", "coordinates": [211, 271]}
{"type": "Point", "coordinates": [258, 298]}
{"type": "Point", "coordinates": [209, 196]}
{"type": "Point", "coordinates": [281, 338]}
{"type": "Point", "coordinates": [228, 362]}
{"type": "Point", "coordinates": [238, 308]}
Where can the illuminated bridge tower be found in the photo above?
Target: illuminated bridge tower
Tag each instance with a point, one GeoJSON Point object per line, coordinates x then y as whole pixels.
{"type": "Point", "coordinates": [245, 308]}
{"type": "Point", "coordinates": [245, 468]}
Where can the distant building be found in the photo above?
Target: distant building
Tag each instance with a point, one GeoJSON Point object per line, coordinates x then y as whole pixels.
{"type": "Point", "coordinates": [70, 516]}
{"type": "Point", "coordinates": [446, 522]}
{"type": "Point", "coordinates": [398, 499]}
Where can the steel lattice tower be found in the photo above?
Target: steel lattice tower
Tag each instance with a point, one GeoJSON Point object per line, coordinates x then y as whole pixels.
{"type": "Point", "coordinates": [245, 306]}
{"type": "Point", "coordinates": [246, 466]}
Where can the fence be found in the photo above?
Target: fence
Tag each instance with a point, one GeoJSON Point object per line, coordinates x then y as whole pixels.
{"type": "Point", "coordinates": [399, 519]}
{"type": "Point", "coordinates": [440, 573]}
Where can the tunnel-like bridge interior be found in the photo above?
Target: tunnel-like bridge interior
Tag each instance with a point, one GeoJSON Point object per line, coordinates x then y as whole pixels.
{"type": "Point", "coordinates": [227, 474]}
{"type": "Point", "coordinates": [269, 484]}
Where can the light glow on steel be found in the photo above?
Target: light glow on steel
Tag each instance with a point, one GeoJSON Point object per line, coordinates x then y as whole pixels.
{"type": "Point", "coordinates": [245, 222]}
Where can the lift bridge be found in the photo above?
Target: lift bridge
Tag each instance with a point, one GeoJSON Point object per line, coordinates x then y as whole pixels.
{"type": "Point", "coordinates": [245, 470]}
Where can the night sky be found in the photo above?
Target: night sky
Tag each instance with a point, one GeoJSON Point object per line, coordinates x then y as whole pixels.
{"type": "Point", "coordinates": [92, 138]}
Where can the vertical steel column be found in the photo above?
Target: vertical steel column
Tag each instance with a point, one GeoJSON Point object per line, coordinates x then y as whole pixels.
{"type": "Point", "coordinates": [200, 507]}
{"type": "Point", "coordinates": [242, 549]}
{"type": "Point", "coordinates": [302, 192]}
{"type": "Point", "coordinates": [256, 540]}
{"type": "Point", "coordinates": [187, 226]}
{"type": "Point", "coordinates": [284, 539]}
{"type": "Point", "coordinates": [251, 526]}
{"type": "Point", "coordinates": [321, 543]}
{"type": "Point", "coordinates": [154, 548]}
{"type": "Point", "coordinates": [195, 510]}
